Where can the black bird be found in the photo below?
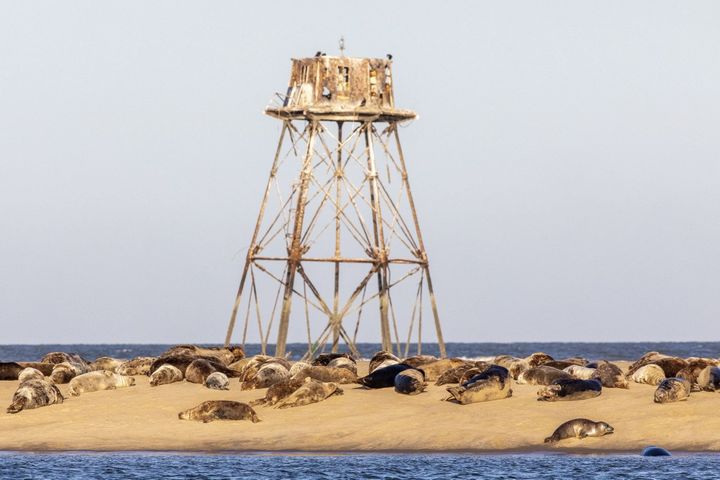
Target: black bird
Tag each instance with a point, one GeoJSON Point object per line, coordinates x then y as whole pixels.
{"type": "Point", "coordinates": [389, 56]}
{"type": "Point", "coordinates": [318, 53]}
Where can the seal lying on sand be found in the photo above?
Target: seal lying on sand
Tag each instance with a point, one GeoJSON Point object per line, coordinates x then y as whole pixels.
{"type": "Point", "coordinates": [35, 394]}
{"type": "Point", "coordinates": [96, 381]}
{"type": "Point", "coordinates": [136, 366]}
{"type": "Point", "coordinates": [198, 370]}
{"type": "Point", "coordinates": [570, 389]}
{"type": "Point", "coordinates": [67, 366]}
{"type": "Point", "coordinates": [267, 374]}
{"type": "Point", "coordinates": [10, 370]}
{"type": "Point", "coordinates": [692, 371]}
{"type": "Point", "coordinates": [217, 381]}
{"type": "Point", "coordinates": [106, 363]}
{"type": "Point", "coordinates": [672, 390]}
{"type": "Point", "coordinates": [579, 428]}
{"type": "Point", "coordinates": [165, 375]}
{"type": "Point", "coordinates": [537, 359]}
{"type": "Point", "coordinates": [583, 373]}
{"type": "Point", "coordinates": [709, 379]}
{"type": "Point", "coordinates": [343, 362]}
{"type": "Point", "coordinates": [433, 370]}
{"type": "Point", "coordinates": [541, 375]}
{"type": "Point", "coordinates": [419, 360]}
{"type": "Point", "coordinates": [311, 391]}
{"type": "Point", "coordinates": [410, 382]}
{"type": "Point", "coordinates": [212, 410]}
{"type": "Point", "coordinates": [224, 355]}
{"type": "Point", "coordinates": [382, 377]}
{"type": "Point", "coordinates": [279, 391]}
{"type": "Point", "coordinates": [64, 372]}
{"type": "Point", "coordinates": [492, 384]}
{"type": "Point", "coordinates": [328, 374]}
{"type": "Point", "coordinates": [611, 375]}
{"type": "Point", "coordinates": [30, 374]}
{"type": "Point", "coordinates": [515, 365]}
{"type": "Point", "coordinates": [382, 359]}
{"type": "Point", "coordinates": [649, 374]}
{"type": "Point", "coordinates": [455, 374]}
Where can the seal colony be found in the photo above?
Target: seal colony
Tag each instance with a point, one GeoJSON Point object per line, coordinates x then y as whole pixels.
{"type": "Point", "coordinates": [285, 385]}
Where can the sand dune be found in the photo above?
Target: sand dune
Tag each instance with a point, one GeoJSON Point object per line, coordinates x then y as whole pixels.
{"type": "Point", "coordinates": [145, 418]}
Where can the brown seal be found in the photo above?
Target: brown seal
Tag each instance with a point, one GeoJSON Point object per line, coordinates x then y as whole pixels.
{"type": "Point", "coordinates": [579, 428]}
{"type": "Point", "coordinates": [382, 359]}
{"type": "Point", "coordinates": [136, 366]}
{"type": "Point", "coordinates": [212, 410]}
{"type": "Point", "coordinates": [672, 390]}
{"type": "Point", "coordinates": [310, 392]}
{"type": "Point", "coordinates": [328, 374]}
{"type": "Point", "coordinates": [541, 375]}
{"type": "Point", "coordinates": [165, 375]}
{"type": "Point", "coordinates": [280, 391]}
{"type": "Point", "coordinates": [611, 375]}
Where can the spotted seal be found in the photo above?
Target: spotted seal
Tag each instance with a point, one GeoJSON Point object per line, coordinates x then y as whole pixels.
{"type": "Point", "coordinates": [269, 373]}
{"type": "Point", "coordinates": [492, 384]}
{"type": "Point", "coordinates": [35, 394]}
{"type": "Point", "coordinates": [709, 379]}
{"type": "Point", "coordinates": [611, 375]}
{"type": "Point", "coordinates": [30, 374]}
{"type": "Point", "coordinates": [541, 375]}
{"type": "Point", "coordinates": [217, 381]}
{"type": "Point", "coordinates": [198, 370]}
{"type": "Point", "coordinates": [433, 370]}
{"type": "Point", "coordinates": [166, 375]}
{"type": "Point", "coordinates": [212, 410]}
{"type": "Point", "coordinates": [106, 363]}
{"type": "Point", "coordinates": [311, 391]}
{"type": "Point", "coordinates": [136, 366]}
{"type": "Point", "coordinates": [328, 374]}
{"type": "Point", "coordinates": [280, 391]}
{"type": "Point", "coordinates": [672, 389]}
{"type": "Point", "coordinates": [583, 373]}
{"type": "Point", "coordinates": [564, 389]}
{"type": "Point", "coordinates": [579, 428]}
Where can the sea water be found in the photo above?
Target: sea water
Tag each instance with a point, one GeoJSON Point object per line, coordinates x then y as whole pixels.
{"type": "Point", "coordinates": [354, 466]}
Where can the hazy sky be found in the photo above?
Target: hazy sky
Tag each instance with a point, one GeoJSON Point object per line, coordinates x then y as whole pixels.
{"type": "Point", "coordinates": [566, 163]}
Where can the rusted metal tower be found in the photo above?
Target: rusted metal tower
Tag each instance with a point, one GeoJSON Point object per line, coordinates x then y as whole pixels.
{"type": "Point", "coordinates": [337, 216]}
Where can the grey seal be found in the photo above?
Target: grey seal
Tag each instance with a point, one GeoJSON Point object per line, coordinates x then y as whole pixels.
{"type": "Point", "coordinates": [212, 410]}
{"type": "Point", "coordinates": [100, 380]}
{"type": "Point", "coordinates": [672, 389]}
{"type": "Point", "coordinates": [410, 381]}
{"type": "Point", "coordinates": [564, 389]}
{"type": "Point", "coordinates": [492, 384]}
{"type": "Point", "coordinates": [35, 394]}
{"type": "Point", "coordinates": [579, 428]}
{"type": "Point", "coordinates": [165, 375]}
{"type": "Point", "coordinates": [311, 391]}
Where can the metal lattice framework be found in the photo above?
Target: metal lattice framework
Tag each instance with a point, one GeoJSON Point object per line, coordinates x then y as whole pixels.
{"type": "Point", "coordinates": [337, 240]}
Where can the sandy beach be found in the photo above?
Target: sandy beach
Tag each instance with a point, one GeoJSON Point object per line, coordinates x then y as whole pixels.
{"type": "Point", "coordinates": [145, 418]}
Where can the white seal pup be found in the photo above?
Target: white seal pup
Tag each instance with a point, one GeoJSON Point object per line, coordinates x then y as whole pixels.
{"type": "Point", "coordinates": [583, 373]}
{"type": "Point", "coordinates": [96, 381]}
{"type": "Point", "coordinates": [217, 381]}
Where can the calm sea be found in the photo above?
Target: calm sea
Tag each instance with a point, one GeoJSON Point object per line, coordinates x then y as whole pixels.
{"type": "Point", "coordinates": [365, 466]}
{"type": "Point", "coordinates": [592, 351]}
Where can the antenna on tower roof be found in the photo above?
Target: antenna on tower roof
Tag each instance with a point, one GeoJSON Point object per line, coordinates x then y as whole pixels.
{"type": "Point", "coordinates": [342, 46]}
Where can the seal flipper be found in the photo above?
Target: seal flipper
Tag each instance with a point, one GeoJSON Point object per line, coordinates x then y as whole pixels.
{"type": "Point", "coordinates": [17, 405]}
{"type": "Point", "coordinates": [551, 439]}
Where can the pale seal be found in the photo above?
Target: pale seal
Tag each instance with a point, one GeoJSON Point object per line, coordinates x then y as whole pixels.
{"type": "Point", "coordinates": [537, 359]}
{"type": "Point", "coordinates": [583, 373]}
{"type": "Point", "coordinates": [165, 375]}
{"type": "Point", "coordinates": [541, 375]}
{"type": "Point", "coordinates": [35, 394]}
{"type": "Point", "coordinates": [212, 410]}
{"type": "Point", "coordinates": [297, 367]}
{"type": "Point", "coordinates": [433, 370]}
{"type": "Point", "coordinates": [579, 428]}
{"type": "Point", "coordinates": [224, 355]}
{"type": "Point", "coordinates": [217, 381]}
{"type": "Point", "coordinates": [419, 360]}
{"type": "Point", "coordinates": [310, 392]}
{"type": "Point", "coordinates": [96, 381]}
{"type": "Point", "coordinates": [30, 374]}
{"type": "Point", "coordinates": [564, 389]}
{"type": "Point", "coordinates": [492, 384]}
{"type": "Point", "coordinates": [649, 374]}
{"type": "Point", "coordinates": [410, 382]}
{"type": "Point", "coordinates": [344, 362]}
{"type": "Point", "coordinates": [455, 374]}
{"type": "Point", "coordinates": [672, 390]}
{"type": "Point", "coordinates": [514, 365]}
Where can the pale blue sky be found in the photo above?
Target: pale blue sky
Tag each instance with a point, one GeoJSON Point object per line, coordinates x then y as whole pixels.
{"type": "Point", "coordinates": [565, 163]}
